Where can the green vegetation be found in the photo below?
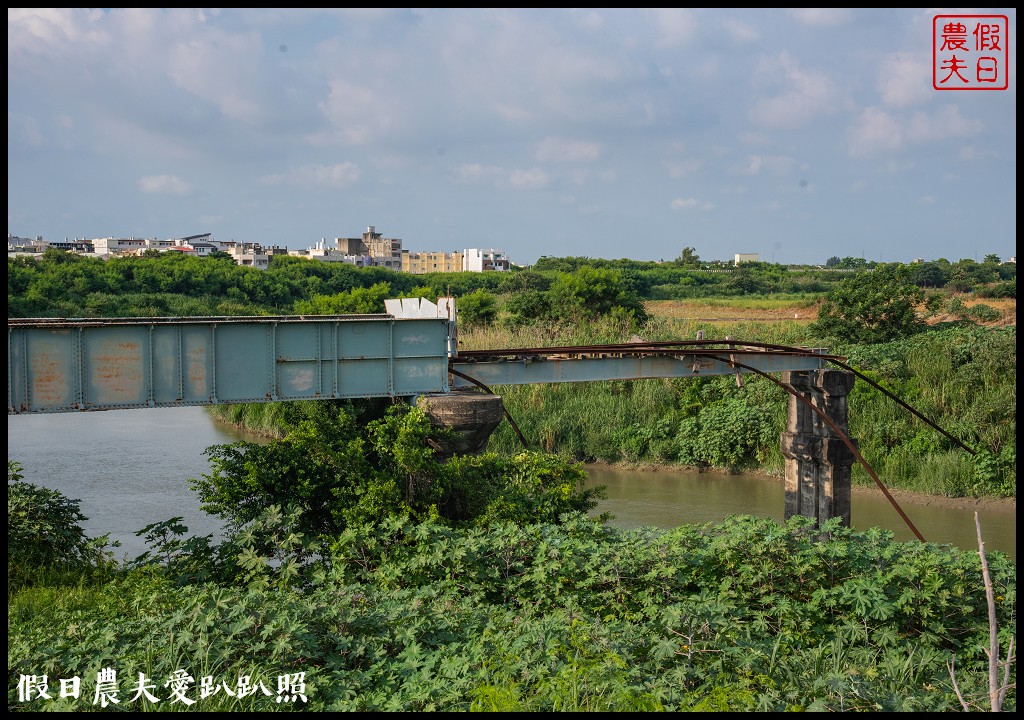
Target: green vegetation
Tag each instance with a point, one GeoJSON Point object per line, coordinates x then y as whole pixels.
{"type": "Point", "coordinates": [61, 284]}
{"type": "Point", "coordinates": [340, 466]}
{"type": "Point", "coordinates": [867, 312]}
{"type": "Point", "coordinates": [43, 529]}
{"type": "Point", "coordinates": [963, 378]}
{"type": "Point", "coordinates": [500, 612]}
{"type": "Point", "coordinates": [872, 307]}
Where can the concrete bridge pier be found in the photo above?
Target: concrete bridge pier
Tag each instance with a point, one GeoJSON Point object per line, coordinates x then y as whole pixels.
{"type": "Point", "coordinates": [471, 415]}
{"type": "Point", "coordinates": [818, 462]}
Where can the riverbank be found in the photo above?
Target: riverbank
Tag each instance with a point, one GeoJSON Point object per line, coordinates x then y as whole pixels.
{"type": "Point", "coordinates": [993, 504]}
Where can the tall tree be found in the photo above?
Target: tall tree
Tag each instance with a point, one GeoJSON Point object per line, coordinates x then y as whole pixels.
{"type": "Point", "coordinates": [872, 307]}
{"type": "Point", "coordinates": [688, 257]}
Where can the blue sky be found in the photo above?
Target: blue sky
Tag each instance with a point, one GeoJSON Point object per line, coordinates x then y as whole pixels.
{"type": "Point", "coordinates": [608, 133]}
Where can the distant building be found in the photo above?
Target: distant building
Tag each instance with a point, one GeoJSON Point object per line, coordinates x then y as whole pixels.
{"type": "Point", "coordinates": [419, 263]}
{"type": "Point", "coordinates": [168, 244]}
{"type": "Point", "coordinates": [253, 254]}
{"type": "Point", "coordinates": [202, 248]}
{"type": "Point", "coordinates": [109, 246]}
{"type": "Point", "coordinates": [76, 246]}
{"type": "Point", "coordinates": [25, 246]}
{"type": "Point", "coordinates": [373, 249]}
{"type": "Point", "coordinates": [385, 252]}
{"type": "Point", "coordinates": [29, 246]}
{"type": "Point", "coordinates": [476, 260]}
{"type": "Point", "coordinates": [202, 237]}
{"type": "Point", "coordinates": [744, 257]}
{"type": "Point", "coordinates": [370, 250]}
{"type": "Point", "coordinates": [23, 242]}
{"type": "Point", "coordinates": [321, 252]}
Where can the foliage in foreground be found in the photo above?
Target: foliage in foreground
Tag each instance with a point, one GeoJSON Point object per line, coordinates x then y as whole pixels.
{"type": "Point", "coordinates": [44, 528]}
{"type": "Point", "coordinates": [746, 615]}
{"type": "Point", "coordinates": [340, 467]}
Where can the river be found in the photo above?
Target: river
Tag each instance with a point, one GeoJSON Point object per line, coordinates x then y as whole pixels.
{"type": "Point", "coordinates": [130, 468]}
{"type": "Point", "coordinates": [667, 498]}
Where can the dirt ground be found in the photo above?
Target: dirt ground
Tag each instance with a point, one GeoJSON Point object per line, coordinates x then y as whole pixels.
{"type": "Point", "coordinates": [991, 504]}
{"type": "Point", "coordinates": [702, 311]}
{"type": "Point", "coordinates": [708, 312]}
{"type": "Point", "coordinates": [1007, 306]}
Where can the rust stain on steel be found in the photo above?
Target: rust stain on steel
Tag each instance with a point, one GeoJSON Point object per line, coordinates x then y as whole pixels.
{"type": "Point", "coordinates": [197, 368]}
{"type": "Point", "coordinates": [118, 371]}
{"type": "Point", "coordinates": [49, 383]}
{"type": "Point", "coordinates": [706, 348]}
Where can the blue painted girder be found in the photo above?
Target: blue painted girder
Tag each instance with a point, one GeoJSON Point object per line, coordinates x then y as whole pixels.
{"type": "Point", "coordinates": [526, 371]}
{"type": "Point", "coordinates": [80, 365]}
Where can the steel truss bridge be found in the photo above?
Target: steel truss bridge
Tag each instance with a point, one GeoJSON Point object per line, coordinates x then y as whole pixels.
{"type": "Point", "coordinates": [74, 365]}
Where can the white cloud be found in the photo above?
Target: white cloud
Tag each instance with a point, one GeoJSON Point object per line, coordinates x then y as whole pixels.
{"type": "Point", "coordinates": [905, 79]}
{"type": "Point", "coordinates": [682, 168]}
{"type": "Point", "coordinates": [971, 151]}
{"type": "Point", "coordinates": [413, 105]}
{"type": "Point", "coordinates": [337, 175]}
{"type": "Point", "coordinates": [164, 185]}
{"type": "Point", "coordinates": [23, 128]}
{"type": "Point", "coordinates": [875, 131]}
{"type": "Point", "coordinates": [531, 179]}
{"type": "Point", "coordinates": [345, 109]}
{"type": "Point", "coordinates": [775, 164]}
{"type": "Point", "coordinates": [475, 172]}
{"type": "Point", "coordinates": [741, 32]}
{"type": "Point", "coordinates": [572, 151]}
{"type": "Point", "coordinates": [947, 123]}
{"type": "Point", "coordinates": [235, 87]}
{"type": "Point", "coordinates": [821, 17]}
{"type": "Point", "coordinates": [51, 31]}
{"type": "Point", "coordinates": [806, 94]}
{"type": "Point", "coordinates": [675, 26]}
{"type": "Point", "coordinates": [691, 204]}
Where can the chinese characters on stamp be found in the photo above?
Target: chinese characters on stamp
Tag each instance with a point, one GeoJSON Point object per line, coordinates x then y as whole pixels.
{"type": "Point", "coordinates": [970, 52]}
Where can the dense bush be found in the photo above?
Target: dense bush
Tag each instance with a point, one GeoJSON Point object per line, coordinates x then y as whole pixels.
{"type": "Point", "coordinates": [746, 615]}
{"type": "Point", "coordinates": [477, 308]}
{"type": "Point", "coordinates": [339, 472]}
{"type": "Point", "coordinates": [357, 301]}
{"type": "Point", "coordinates": [44, 528]}
{"type": "Point", "coordinates": [726, 434]}
{"type": "Point", "coordinates": [871, 307]}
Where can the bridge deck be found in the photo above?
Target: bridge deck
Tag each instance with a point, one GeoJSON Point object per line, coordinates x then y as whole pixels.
{"type": "Point", "coordinates": [623, 362]}
{"type": "Point", "coordinates": [75, 365]}
{"type": "Point", "coordinates": [59, 365]}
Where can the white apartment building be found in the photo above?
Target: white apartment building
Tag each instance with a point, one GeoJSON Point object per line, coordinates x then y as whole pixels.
{"type": "Point", "coordinates": [477, 260]}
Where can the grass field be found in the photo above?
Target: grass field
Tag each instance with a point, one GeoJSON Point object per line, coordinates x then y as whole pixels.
{"type": "Point", "coordinates": [800, 309]}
